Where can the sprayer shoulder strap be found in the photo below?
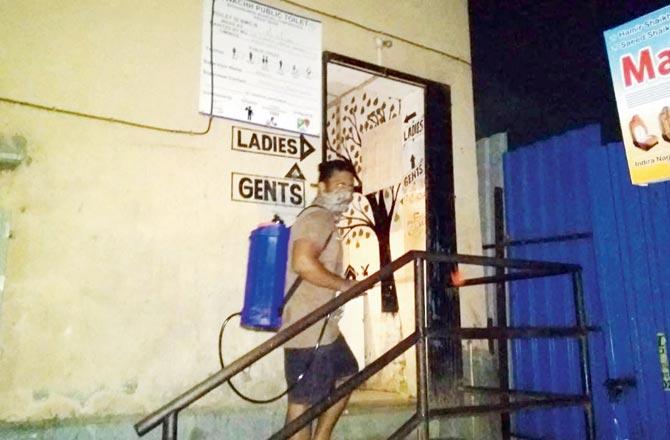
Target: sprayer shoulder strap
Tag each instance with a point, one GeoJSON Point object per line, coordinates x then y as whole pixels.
{"type": "Point", "coordinates": [298, 280]}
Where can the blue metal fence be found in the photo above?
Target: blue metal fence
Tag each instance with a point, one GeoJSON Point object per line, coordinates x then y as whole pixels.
{"type": "Point", "coordinates": [632, 249]}
{"type": "Point", "coordinates": [571, 184]}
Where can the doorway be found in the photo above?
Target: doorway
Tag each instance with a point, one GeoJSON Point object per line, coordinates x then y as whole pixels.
{"type": "Point", "coordinates": [395, 129]}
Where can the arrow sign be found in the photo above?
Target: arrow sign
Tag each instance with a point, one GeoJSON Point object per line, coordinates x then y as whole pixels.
{"type": "Point", "coordinates": [412, 161]}
{"type": "Point", "coordinates": [271, 144]}
{"type": "Point", "coordinates": [409, 117]}
{"type": "Point", "coordinates": [295, 173]}
{"type": "Point", "coordinates": [305, 148]}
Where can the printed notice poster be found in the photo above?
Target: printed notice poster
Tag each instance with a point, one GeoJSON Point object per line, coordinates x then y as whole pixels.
{"type": "Point", "coordinates": [380, 156]}
{"type": "Point", "coordinates": [639, 58]}
{"type": "Point", "coordinates": [267, 66]}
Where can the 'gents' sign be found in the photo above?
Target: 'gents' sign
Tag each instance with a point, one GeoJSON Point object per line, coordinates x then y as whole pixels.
{"type": "Point", "coordinates": [273, 144]}
{"type": "Point", "coordinates": [268, 190]}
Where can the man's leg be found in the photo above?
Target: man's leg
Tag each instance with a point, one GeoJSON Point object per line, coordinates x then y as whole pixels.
{"type": "Point", "coordinates": [328, 419]}
{"type": "Point", "coordinates": [293, 411]}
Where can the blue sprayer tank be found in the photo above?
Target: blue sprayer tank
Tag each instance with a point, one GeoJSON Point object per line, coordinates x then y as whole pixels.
{"type": "Point", "coordinates": [266, 276]}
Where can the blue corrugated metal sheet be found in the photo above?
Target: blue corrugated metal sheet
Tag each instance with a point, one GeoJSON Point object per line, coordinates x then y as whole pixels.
{"type": "Point", "coordinates": [572, 184]}
{"type": "Point", "coordinates": [546, 195]}
{"type": "Point", "coordinates": [632, 248]}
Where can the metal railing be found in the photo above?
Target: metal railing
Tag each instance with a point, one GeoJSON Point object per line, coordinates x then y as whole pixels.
{"type": "Point", "coordinates": [168, 414]}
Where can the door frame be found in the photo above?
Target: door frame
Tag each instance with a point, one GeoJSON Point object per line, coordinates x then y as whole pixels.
{"type": "Point", "coordinates": [444, 355]}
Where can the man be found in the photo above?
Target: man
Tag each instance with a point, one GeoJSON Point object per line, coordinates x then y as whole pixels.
{"type": "Point", "coordinates": [316, 257]}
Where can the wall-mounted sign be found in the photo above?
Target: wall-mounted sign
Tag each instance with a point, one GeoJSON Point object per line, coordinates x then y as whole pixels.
{"type": "Point", "coordinates": [268, 190]}
{"type": "Point", "coordinates": [413, 126]}
{"type": "Point", "coordinates": [273, 144]}
{"type": "Point", "coordinates": [267, 66]}
{"type": "Point", "coordinates": [413, 143]}
{"type": "Point", "coordinates": [639, 58]}
{"type": "Point", "coordinates": [662, 343]}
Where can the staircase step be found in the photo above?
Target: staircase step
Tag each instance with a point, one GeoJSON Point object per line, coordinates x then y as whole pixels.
{"type": "Point", "coordinates": [371, 416]}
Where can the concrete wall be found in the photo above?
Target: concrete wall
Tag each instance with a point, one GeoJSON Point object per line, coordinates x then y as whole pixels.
{"type": "Point", "coordinates": [126, 251]}
{"type": "Point", "coordinates": [490, 151]}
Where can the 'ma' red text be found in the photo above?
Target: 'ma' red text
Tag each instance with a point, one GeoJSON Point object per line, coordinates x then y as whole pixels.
{"type": "Point", "coordinates": [646, 67]}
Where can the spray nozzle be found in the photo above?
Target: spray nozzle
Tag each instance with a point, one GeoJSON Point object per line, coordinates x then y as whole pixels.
{"type": "Point", "coordinates": [277, 219]}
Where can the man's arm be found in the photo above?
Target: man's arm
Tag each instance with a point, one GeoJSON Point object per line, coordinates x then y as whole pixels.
{"type": "Point", "coordinates": [305, 262]}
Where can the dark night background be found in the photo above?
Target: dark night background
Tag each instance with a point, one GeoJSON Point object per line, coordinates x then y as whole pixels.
{"type": "Point", "coordinates": [540, 66]}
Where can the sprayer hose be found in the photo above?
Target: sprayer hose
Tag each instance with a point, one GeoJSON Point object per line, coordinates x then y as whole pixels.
{"type": "Point", "coordinates": [271, 399]}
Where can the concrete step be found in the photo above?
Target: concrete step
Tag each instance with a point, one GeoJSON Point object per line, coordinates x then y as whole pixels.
{"type": "Point", "coordinates": [369, 416]}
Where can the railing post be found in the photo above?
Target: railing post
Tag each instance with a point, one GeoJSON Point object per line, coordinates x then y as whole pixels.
{"type": "Point", "coordinates": [580, 315]}
{"type": "Point", "coordinates": [170, 427]}
{"type": "Point", "coordinates": [421, 320]}
{"type": "Point", "coordinates": [501, 306]}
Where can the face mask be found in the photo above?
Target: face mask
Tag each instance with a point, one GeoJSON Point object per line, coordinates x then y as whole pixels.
{"type": "Point", "coordinates": [336, 201]}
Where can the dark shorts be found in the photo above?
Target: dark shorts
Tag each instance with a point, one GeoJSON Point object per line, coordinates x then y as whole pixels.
{"type": "Point", "coordinates": [323, 370]}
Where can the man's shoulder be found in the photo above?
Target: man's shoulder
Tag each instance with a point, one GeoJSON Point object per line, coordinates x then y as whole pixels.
{"type": "Point", "coordinates": [315, 214]}
{"type": "Point", "coordinates": [313, 223]}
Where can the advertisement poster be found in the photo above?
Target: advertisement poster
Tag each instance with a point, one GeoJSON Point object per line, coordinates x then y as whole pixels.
{"type": "Point", "coordinates": [267, 66]}
{"type": "Point", "coordinates": [639, 58]}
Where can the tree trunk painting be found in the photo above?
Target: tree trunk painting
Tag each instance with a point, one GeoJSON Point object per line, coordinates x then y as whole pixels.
{"type": "Point", "coordinates": [383, 232]}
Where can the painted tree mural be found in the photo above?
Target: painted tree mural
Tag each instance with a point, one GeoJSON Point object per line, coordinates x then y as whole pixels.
{"type": "Point", "coordinates": [375, 212]}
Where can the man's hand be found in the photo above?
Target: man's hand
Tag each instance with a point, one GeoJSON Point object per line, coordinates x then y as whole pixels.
{"type": "Point", "coordinates": [344, 286]}
{"type": "Point", "coordinates": [347, 284]}
{"type": "Point", "coordinates": [337, 314]}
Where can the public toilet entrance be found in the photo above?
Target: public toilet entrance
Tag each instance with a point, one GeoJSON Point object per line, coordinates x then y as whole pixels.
{"type": "Point", "coordinates": [396, 131]}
